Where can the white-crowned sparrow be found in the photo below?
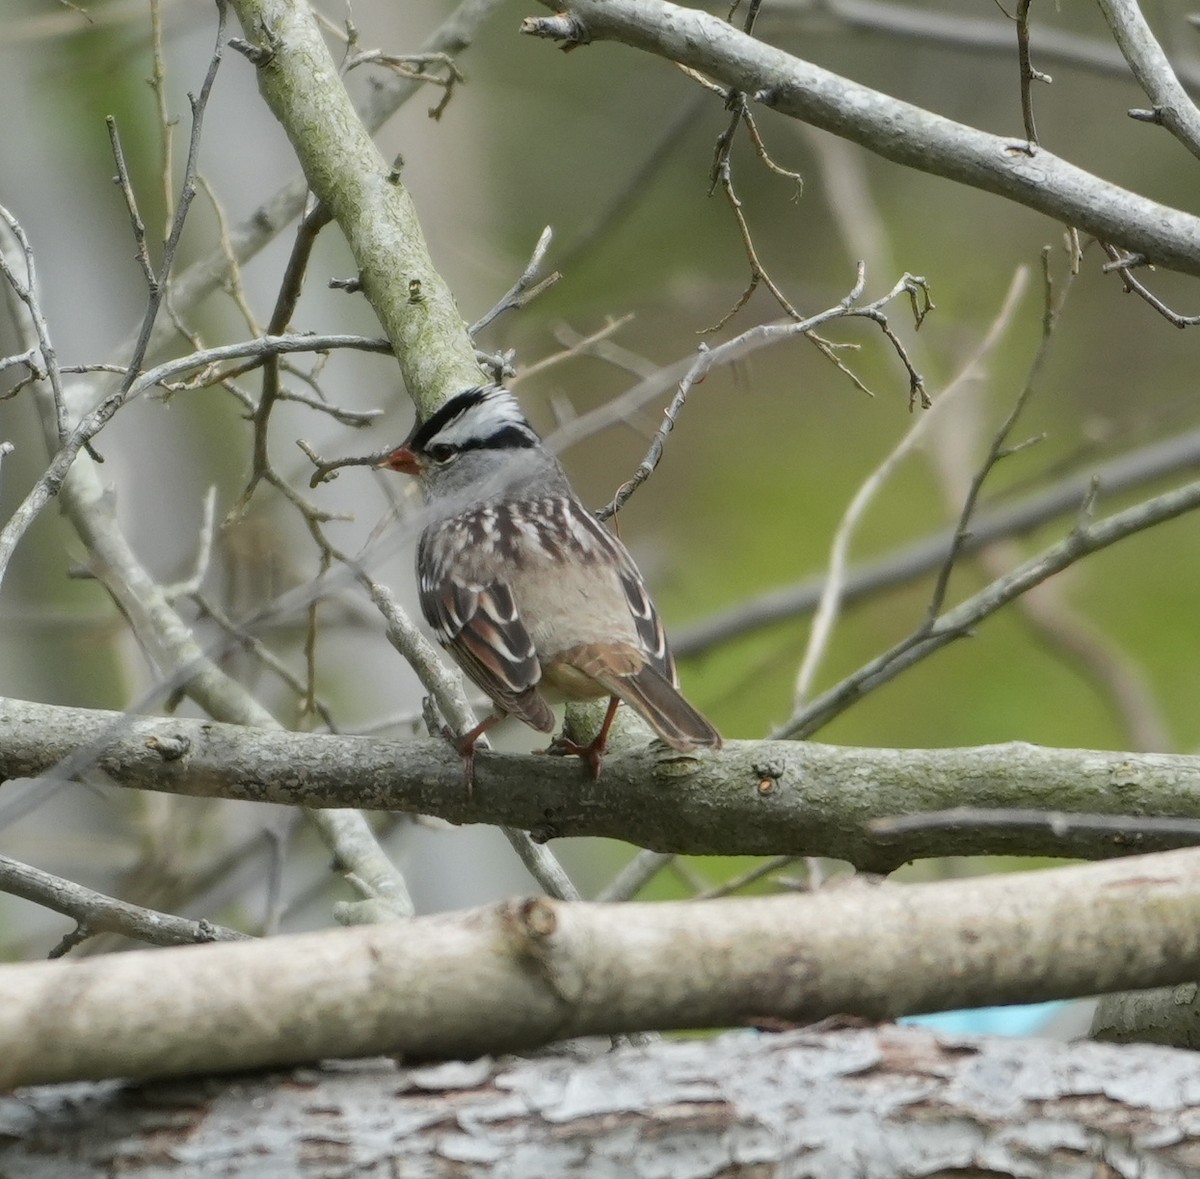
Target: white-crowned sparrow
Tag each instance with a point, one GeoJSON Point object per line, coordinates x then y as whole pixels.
{"type": "Point", "coordinates": [531, 594]}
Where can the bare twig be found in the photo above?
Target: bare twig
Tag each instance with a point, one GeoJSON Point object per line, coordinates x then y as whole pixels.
{"type": "Point", "coordinates": [166, 125]}
{"type": "Point", "coordinates": [26, 291]}
{"type": "Point", "coordinates": [91, 424]}
{"type": "Point", "coordinates": [415, 67]}
{"type": "Point", "coordinates": [1151, 463]}
{"type": "Point", "coordinates": [233, 277]}
{"type": "Point", "coordinates": [1087, 537]}
{"type": "Point", "coordinates": [285, 305]}
{"type": "Point", "coordinates": [745, 879]}
{"type": "Point", "coordinates": [187, 192]}
{"type": "Point", "coordinates": [1058, 625]}
{"type": "Point", "coordinates": [96, 913]}
{"type": "Point", "coordinates": [599, 226]}
{"type": "Point", "coordinates": [245, 640]}
{"type": "Point", "coordinates": [640, 870]}
{"type": "Point", "coordinates": [832, 593]}
{"type": "Point", "coordinates": [135, 218]}
{"type": "Point", "coordinates": [646, 467]}
{"type": "Point", "coordinates": [593, 344]}
{"type": "Point", "coordinates": [1172, 107]}
{"type": "Point", "coordinates": [524, 289]}
{"type": "Point", "coordinates": [694, 371]}
{"type": "Point", "coordinates": [1029, 75]}
{"type": "Point", "coordinates": [1124, 264]}
{"type": "Point", "coordinates": [191, 584]}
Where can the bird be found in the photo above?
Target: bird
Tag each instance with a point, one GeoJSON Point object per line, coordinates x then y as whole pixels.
{"type": "Point", "coordinates": [526, 589]}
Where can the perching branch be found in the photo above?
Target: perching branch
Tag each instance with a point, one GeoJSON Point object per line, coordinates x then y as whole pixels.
{"type": "Point", "coordinates": [754, 798]}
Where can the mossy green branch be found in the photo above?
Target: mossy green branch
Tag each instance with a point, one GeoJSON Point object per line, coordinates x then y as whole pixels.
{"type": "Point", "coordinates": [300, 82]}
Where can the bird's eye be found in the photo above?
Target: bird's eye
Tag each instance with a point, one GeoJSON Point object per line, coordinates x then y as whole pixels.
{"type": "Point", "coordinates": [441, 452]}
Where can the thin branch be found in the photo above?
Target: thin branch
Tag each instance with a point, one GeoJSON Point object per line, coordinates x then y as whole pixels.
{"type": "Point", "coordinates": [135, 218]}
{"type": "Point", "coordinates": [233, 278]}
{"type": "Point", "coordinates": [96, 913]}
{"type": "Point", "coordinates": [27, 292]}
{"type": "Point", "coordinates": [187, 192]}
{"type": "Point", "coordinates": [751, 876]}
{"type": "Point", "coordinates": [895, 130]}
{"type": "Point", "coordinates": [1029, 75]}
{"type": "Point", "coordinates": [647, 466]}
{"type": "Point", "coordinates": [166, 125]}
{"type": "Point", "coordinates": [1148, 464]}
{"type": "Point", "coordinates": [593, 344]}
{"type": "Point", "coordinates": [91, 424]}
{"type": "Point", "coordinates": [208, 523]}
{"type": "Point", "coordinates": [634, 877]}
{"type": "Point", "coordinates": [997, 450]}
{"type": "Point", "coordinates": [712, 357]}
{"type": "Point", "coordinates": [1123, 264]}
{"type": "Point", "coordinates": [261, 652]}
{"type": "Point", "coordinates": [524, 289]}
{"type": "Point", "coordinates": [1088, 537]}
{"type": "Point", "coordinates": [285, 305]}
{"type": "Point", "coordinates": [1173, 108]}
{"type": "Point", "coordinates": [599, 225]}
{"type": "Point", "coordinates": [414, 66]}
{"type": "Point", "coordinates": [832, 593]}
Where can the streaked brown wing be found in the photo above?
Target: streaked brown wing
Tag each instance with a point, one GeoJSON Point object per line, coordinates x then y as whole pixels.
{"type": "Point", "coordinates": [480, 627]}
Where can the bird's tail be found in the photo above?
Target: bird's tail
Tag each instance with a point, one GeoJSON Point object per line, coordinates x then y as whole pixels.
{"type": "Point", "coordinates": [656, 699]}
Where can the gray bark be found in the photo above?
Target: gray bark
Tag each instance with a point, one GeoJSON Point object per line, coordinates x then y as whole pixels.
{"type": "Point", "coordinates": [755, 798]}
{"type": "Point", "coordinates": [807, 1105]}
{"type": "Point", "coordinates": [894, 129]}
{"type": "Point", "coordinates": [517, 976]}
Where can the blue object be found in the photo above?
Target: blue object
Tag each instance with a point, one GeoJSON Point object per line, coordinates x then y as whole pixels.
{"type": "Point", "coordinates": [1022, 1020]}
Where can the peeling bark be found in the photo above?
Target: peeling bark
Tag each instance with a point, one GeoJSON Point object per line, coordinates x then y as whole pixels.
{"type": "Point", "coordinates": [830, 1105]}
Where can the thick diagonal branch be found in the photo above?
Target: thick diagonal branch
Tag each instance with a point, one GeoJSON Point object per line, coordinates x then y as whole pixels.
{"type": "Point", "coordinates": [897, 130]}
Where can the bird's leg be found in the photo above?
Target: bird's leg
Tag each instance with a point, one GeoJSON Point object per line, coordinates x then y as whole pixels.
{"type": "Point", "coordinates": [466, 746]}
{"type": "Point", "coordinates": [593, 752]}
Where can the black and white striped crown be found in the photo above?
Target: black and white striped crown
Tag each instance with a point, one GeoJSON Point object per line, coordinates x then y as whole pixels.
{"type": "Point", "coordinates": [483, 418]}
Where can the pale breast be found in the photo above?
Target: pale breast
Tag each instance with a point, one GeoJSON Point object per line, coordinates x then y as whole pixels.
{"type": "Point", "coordinates": [563, 569]}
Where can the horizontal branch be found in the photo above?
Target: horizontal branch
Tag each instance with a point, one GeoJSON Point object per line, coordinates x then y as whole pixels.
{"type": "Point", "coordinates": [897, 130]}
{"type": "Point", "coordinates": [754, 798]}
{"type": "Point", "coordinates": [523, 973]}
{"type": "Point", "coordinates": [792, 1102]}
